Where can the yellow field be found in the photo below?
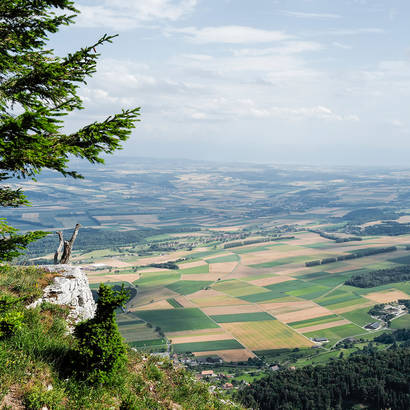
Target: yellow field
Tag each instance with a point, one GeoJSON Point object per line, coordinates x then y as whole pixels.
{"type": "Point", "coordinates": [265, 335]}
{"type": "Point", "coordinates": [222, 267]}
{"type": "Point", "coordinates": [217, 301]}
{"type": "Point", "coordinates": [387, 296]}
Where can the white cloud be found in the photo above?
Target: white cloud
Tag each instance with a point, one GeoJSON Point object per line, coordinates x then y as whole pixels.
{"type": "Point", "coordinates": [127, 14]}
{"type": "Point", "coordinates": [288, 47]}
{"type": "Point", "coordinates": [231, 35]}
{"type": "Point", "coordinates": [304, 15]}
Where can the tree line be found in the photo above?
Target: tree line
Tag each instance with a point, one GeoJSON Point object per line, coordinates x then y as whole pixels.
{"type": "Point", "coordinates": [380, 277]}
{"type": "Point", "coordinates": [359, 253]}
{"type": "Point", "coordinates": [379, 380]}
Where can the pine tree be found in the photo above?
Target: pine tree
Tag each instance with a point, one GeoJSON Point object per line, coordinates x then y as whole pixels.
{"type": "Point", "coordinates": [37, 89]}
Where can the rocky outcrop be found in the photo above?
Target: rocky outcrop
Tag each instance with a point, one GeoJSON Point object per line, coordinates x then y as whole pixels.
{"type": "Point", "coordinates": [69, 288]}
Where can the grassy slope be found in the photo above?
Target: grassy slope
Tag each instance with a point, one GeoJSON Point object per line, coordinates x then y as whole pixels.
{"type": "Point", "coordinates": [34, 363]}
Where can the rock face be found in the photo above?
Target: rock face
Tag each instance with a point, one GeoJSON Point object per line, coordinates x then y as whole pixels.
{"type": "Point", "coordinates": [70, 288]}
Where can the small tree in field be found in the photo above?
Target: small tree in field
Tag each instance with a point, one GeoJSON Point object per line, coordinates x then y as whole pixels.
{"type": "Point", "coordinates": [37, 89]}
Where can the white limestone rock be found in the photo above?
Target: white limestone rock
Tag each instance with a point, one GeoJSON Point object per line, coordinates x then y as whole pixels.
{"type": "Point", "coordinates": [69, 288]}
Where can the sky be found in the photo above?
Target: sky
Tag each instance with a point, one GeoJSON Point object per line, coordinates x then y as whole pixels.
{"type": "Point", "coordinates": [273, 81]}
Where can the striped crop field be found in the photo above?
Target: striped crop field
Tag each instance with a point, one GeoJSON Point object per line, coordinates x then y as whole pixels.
{"type": "Point", "coordinates": [266, 335]}
{"type": "Point", "coordinates": [242, 317]}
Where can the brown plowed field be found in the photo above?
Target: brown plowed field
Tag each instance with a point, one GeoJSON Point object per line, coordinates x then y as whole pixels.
{"type": "Point", "coordinates": [231, 310]}
{"type": "Point", "coordinates": [223, 267]}
{"type": "Point", "coordinates": [303, 314]}
{"type": "Point", "coordinates": [387, 296]}
{"type": "Point", "coordinates": [126, 277]}
{"type": "Point", "coordinates": [271, 281]}
{"type": "Point", "coordinates": [161, 304]}
{"type": "Point", "coordinates": [216, 331]}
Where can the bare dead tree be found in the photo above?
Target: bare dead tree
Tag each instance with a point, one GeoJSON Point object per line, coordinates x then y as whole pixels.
{"type": "Point", "coordinates": [63, 252]}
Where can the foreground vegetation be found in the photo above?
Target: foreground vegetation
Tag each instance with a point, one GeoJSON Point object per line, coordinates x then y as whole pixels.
{"type": "Point", "coordinates": [37, 368]}
{"type": "Point", "coordinates": [378, 381]}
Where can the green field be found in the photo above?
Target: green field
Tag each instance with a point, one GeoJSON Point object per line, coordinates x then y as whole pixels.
{"type": "Point", "coordinates": [315, 321]}
{"type": "Point", "coordinates": [227, 258]}
{"type": "Point", "coordinates": [137, 332]}
{"type": "Point", "coordinates": [359, 316]}
{"type": "Point", "coordinates": [207, 346]}
{"type": "Point", "coordinates": [174, 320]}
{"type": "Point", "coordinates": [405, 260]}
{"type": "Point", "coordinates": [237, 288]}
{"type": "Point", "coordinates": [196, 269]}
{"type": "Point", "coordinates": [250, 249]}
{"type": "Point", "coordinates": [174, 303]}
{"type": "Point", "coordinates": [242, 317]}
{"type": "Point", "coordinates": [185, 287]}
{"type": "Point", "coordinates": [310, 293]}
{"type": "Point", "coordinates": [336, 333]}
{"type": "Point", "coordinates": [146, 343]}
{"type": "Point", "coordinates": [402, 322]}
{"type": "Point", "coordinates": [282, 261]}
{"type": "Point", "coordinates": [149, 279]}
{"type": "Point", "coordinates": [263, 297]}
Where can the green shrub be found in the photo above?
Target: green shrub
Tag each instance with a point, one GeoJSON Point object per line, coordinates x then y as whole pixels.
{"type": "Point", "coordinates": [100, 351]}
{"type": "Point", "coordinates": [10, 318]}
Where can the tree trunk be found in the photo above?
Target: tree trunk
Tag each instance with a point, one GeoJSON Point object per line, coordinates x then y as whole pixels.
{"type": "Point", "coordinates": [67, 247]}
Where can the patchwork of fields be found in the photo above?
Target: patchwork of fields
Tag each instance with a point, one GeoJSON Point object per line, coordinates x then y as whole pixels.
{"type": "Point", "coordinates": [235, 302]}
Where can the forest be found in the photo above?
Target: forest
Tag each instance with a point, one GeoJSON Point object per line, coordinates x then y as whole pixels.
{"type": "Point", "coordinates": [379, 380]}
{"type": "Point", "coordinates": [380, 277]}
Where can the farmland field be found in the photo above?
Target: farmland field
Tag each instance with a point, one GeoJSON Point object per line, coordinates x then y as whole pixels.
{"type": "Point", "coordinates": [207, 346]}
{"type": "Point", "coordinates": [242, 317]}
{"type": "Point", "coordinates": [222, 249]}
{"type": "Point", "coordinates": [336, 333]}
{"type": "Point", "coordinates": [266, 335]}
{"type": "Point", "coordinates": [177, 319]}
{"type": "Point", "coordinates": [401, 322]}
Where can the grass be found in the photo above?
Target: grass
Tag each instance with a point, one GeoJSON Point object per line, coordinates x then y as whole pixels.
{"type": "Point", "coordinates": [238, 288]}
{"type": "Point", "coordinates": [174, 320]}
{"type": "Point", "coordinates": [207, 346]}
{"type": "Point", "coordinates": [336, 333]}
{"type": "Point", "coordinates": [174, 303]}
{"type": "Point", "coordinates": [227, 258]}
{"type": "Point", "coordinates": [157, 279]}
{"type": "Point", "coordinates": [359, 316]}
{"type": "Point", "coordinates": [38, 355]}
{"type": "Point", "coordinates": [282, 261]}
{"type": "Point", "coordinates": [265, 296]}
{"type": "Point", "coordinates": [309, 293]}
{"type": "Point", "coordinates": [145, 343]}
{"type": "Point", "coordinates": [185, 287]}
{"type": "Point", "coordinates": [316, 321]}
{"type": "Point", "coordinates": [195, 269]}
{"type": "Point", "coordinates": [402, 322]}
{"type": "Point", "coordinates": [405, 260]}
{"type": "Point", "coordinates": [242, 317]}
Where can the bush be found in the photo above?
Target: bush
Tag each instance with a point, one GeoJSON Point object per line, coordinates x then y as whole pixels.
{"type": "Point", "coordinates": [10, 319]}
{"type": "Point", "coordinates": [100, 351]}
